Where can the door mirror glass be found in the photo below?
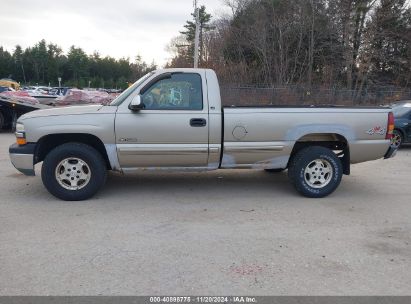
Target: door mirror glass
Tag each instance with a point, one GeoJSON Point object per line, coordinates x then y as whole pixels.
{"type": "Point", "coordinates": [136, 104]}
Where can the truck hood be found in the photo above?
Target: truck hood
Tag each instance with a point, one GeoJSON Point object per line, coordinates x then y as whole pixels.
{"type": "Point", "coordinates": [76, 110]}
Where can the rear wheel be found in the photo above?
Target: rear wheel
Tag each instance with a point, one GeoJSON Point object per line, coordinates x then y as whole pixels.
{"type": "Point", "coordinates": [315, 172]}
{"type": "Point", "coordinates": [397, 139]}
{"type": "Point", "coordinates": [74, 172]}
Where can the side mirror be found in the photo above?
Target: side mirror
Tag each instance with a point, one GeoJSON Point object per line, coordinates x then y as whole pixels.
{"type": "Point", "coordinates": [136, 104]}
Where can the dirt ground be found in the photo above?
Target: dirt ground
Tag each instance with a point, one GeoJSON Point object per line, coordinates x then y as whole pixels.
{"type": "Point", "coordinates": [220, 233]}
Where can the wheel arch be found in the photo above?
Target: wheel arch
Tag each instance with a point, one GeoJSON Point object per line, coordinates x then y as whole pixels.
{"type": "Point", "coordinates": [333, 141]}
{"type": "Point", "coordinates": [51, 141]}
{"type": "Point", "coordinates": [401, 131]}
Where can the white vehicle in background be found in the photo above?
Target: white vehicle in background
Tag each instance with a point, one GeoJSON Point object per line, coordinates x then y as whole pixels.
{"type": "Point", "coordinates": [42, 94]}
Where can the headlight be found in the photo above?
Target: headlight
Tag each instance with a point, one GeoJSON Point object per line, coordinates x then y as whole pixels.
{"type": "Point", "coordinates": [19, 127]}
{"type": "Point", "coordinates": [20, 134]}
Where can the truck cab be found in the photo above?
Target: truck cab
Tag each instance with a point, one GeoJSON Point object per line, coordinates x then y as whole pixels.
{"type": "Point", "coordinates": [181, 123]}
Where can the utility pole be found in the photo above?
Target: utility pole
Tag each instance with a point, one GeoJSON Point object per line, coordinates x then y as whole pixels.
{"type": "Point", "coordinates": [20, 60]}
{"type": "Point", "coordinates": [197, 36]}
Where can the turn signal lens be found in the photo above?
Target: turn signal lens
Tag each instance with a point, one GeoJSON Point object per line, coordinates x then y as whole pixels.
{"type": "Point", "coordinates": [390, 126]}
{"type": "Point", "coordinates": [21, 138]}
{"type": "Point", "coordinates": [21, 141]}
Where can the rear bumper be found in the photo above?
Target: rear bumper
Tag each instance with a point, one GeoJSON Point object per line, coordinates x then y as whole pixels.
{"type": "Point", "coordinates": [390, 153]}
{"type": "Point", "coordinates": [22, 158]}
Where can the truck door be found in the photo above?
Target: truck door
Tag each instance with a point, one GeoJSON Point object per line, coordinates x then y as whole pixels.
{"type": "Point", "coordinates": [171, 130]}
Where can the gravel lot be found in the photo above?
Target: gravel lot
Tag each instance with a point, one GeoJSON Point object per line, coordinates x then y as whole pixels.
{"type": "Point", "coordinates": [219, 233]}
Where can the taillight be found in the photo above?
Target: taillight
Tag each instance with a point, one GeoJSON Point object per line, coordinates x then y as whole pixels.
{"type": "Point", "coordinates": [390, 126]}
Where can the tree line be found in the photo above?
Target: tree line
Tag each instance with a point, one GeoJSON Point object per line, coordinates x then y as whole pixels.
{"type": "Point", "coordinates": [45, 62]}
{"type": "Point", "coordinates": [356, 45]}
{"type": "Point", "coordinates": [347, 44]}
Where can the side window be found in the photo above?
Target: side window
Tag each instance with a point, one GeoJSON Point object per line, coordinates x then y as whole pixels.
{"type": "Point", "coordinates": [183, 91]}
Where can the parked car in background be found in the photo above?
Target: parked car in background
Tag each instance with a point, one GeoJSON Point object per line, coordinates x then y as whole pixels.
{"type": "Point", "coordinates": [59, 91]}
{"type": "Point", "coordinates": [5, 89]}
{"type": "Point", "coordinates": [402, 131]}
{"type": "Point", "coordinates": [42, 94]}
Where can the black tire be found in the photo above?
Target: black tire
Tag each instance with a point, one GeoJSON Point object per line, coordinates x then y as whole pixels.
{"type": "Point", "coordinates": [305, 182]}
{"type": "Point", "coordinates": [95, 167]}
{"type": "Point", "coordinates": [397, 139]}
{"type": "Point", "coordinates": [2, 121]}
{"type": "Point", "coordinates": [274, 170]}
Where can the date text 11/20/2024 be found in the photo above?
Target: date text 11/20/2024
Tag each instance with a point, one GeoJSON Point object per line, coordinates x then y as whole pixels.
{"type": "Point", "coordinates": [234, 299]}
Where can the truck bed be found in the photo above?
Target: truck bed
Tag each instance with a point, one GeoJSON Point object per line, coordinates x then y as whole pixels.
{"type": "Point", "coordinates": [323, 106]}
{"type": "Point", "coordinates": [265, 136]}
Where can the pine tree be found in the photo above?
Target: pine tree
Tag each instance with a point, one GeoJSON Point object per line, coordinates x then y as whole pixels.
{"type": "Point", "coordinates": [190, 31]}
{"type": "Point", "coordinates": [391, 60]}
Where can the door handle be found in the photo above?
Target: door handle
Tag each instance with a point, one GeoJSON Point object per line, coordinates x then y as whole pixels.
{"type": "Point", "coordinates": [198, 122]}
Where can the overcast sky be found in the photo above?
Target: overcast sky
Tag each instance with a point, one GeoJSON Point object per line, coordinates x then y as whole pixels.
{"type": "Point", "coordinates": [119, 28]}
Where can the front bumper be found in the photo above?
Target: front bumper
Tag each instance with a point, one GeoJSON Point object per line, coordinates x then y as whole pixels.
{"type": "Point", "coordinates": [22, 158]}
{"type": "Point", "coordinates": [390, 153]}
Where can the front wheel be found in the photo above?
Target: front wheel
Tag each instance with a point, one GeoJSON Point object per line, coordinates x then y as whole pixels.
{"type": "Point", "coordinates": [74, 172]}
{"type": "Point", "coordinates": [315, 172]}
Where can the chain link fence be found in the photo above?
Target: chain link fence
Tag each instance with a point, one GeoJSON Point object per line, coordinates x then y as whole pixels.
{"type": "Point", "coordinates": [299, 95]}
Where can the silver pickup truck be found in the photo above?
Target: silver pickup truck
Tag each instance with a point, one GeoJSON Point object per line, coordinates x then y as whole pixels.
{"type": "Point", "coordinates": [173, 120]}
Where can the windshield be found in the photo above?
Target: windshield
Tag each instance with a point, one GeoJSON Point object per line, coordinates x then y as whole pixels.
{"type": "Point", "coordinates": [130, 90]}
{"type": "Point", "coordinates": [401, 110]}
